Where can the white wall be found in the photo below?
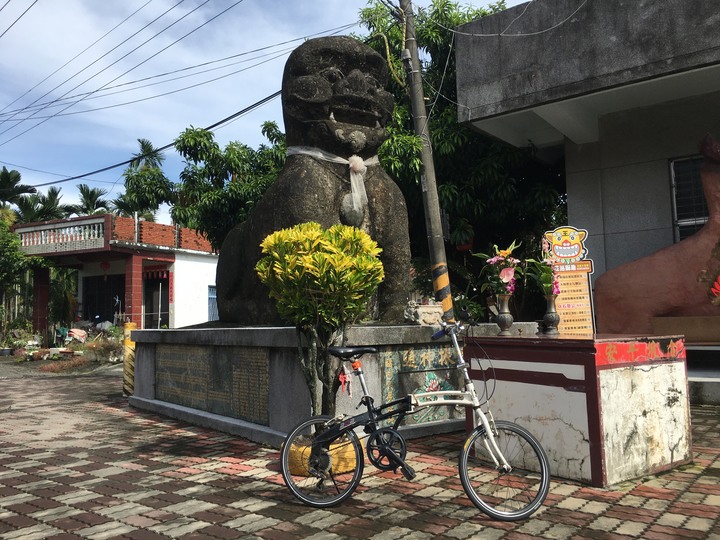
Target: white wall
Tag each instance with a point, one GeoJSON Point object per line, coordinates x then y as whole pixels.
{"type": "Point", "coordinates": [192, 273]}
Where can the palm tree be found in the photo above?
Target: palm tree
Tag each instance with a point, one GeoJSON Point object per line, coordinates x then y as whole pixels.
{"type": "Point", "coordinates": [91, 201]}
{"type": "Point", "coordinates": [149, 157]}
{"type": "Point", "coordinates": [10, 187]}
{"type": "Point", "coordinates": [121, 206]}
{"type": "Point", "coordinates": [146, 186]}
{"type": "Point", "coordinates": [39, 207]}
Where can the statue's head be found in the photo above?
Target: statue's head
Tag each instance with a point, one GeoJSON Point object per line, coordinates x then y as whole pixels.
{"type": "Point", "coordinates": [334, 96]}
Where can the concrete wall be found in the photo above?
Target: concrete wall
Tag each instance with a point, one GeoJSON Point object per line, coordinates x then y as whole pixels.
{"type": "Point", "coordinates": [193, 273]}
{"type": "Point", "coordinates": [599, 45]}
{"type": "Point", "coordinates": [248, 380]}
{"type": "Point", "coordinates": [619, 188]}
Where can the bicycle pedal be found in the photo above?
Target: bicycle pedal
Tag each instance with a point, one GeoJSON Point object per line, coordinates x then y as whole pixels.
{"type": "Point", "coordinates": [408, 472]}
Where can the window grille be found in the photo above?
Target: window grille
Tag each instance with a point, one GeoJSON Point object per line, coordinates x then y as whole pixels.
{"type": "Point", "coordinates": [689, 206]}
{"type": "Point", "coordinates": [212, 303]}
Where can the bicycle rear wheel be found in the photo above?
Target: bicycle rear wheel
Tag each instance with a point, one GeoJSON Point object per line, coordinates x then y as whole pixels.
{"type": "Point", "coordinates": [505, 495]}
{"type": "Point", "coordinates": [321, 475]}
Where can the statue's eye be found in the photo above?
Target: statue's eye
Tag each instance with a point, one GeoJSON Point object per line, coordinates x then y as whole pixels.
{"type": "Point", "coordinates": [332, 74]}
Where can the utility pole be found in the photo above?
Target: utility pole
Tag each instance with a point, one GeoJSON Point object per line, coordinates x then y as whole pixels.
{"type": "Point", "coordinates": [431, 204]}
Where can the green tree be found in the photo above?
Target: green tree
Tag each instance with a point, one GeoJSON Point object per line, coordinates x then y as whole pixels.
{"type": "Point", "coordinates": [63, 296]}
{"type": "Point", "coordinates": [146, 186]}
{"type": "Point", "coordinates": [122, 206]}
{"type": "Point", "coordinates": [13, 264]}
{"type": "Point", "coordinates": [91, 201]}
{"type": "Point", "coordinates": [502, 193]}
{"type": "Point", "coordinates": [42, 207]}
{"type": "Point", "coordinates": [218, 187]}
{"type": "Point", "coordinates": [10, 187]}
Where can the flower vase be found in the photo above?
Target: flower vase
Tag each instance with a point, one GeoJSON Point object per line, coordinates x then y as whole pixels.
{"type": "Point", "coordinates": [551, 319]}
{"type": "Point", "coordinates": [504, 317]}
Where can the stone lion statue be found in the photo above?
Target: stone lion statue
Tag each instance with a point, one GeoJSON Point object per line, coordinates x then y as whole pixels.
{"type": "Point", "coordinates": [335, 109]}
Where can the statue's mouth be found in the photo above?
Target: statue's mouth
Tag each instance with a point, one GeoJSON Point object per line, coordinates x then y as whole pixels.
{"type": "Point", "coordinates": [359, 110]}
{"type": "Point", "coordinates": [352, 116]}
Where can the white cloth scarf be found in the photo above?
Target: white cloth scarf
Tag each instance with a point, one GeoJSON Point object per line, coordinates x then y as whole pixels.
{"type": "Point", "coordinates": [357, 167]}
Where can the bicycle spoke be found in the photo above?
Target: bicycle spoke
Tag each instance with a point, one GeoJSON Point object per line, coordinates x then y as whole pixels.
{"type": "Point", "coordinates": [503, 494]}
{"type": "Point", "coordinates": [321, 475]}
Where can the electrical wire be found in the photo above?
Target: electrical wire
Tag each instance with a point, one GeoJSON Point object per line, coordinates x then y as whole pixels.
{"type": "Point", "coordinates": [442, 81]}
{"type": "Point", "coordinates": [141, 63]}
{"type": "Point", "coordinates": [222, 123]}
{"type": "Point", "coordinates": [279, 54]}
{"type": "Point", "coordinates": [20, 17]}
{"type": "Point", "coordinates": [126, 72]}
{"type": "Point", "coordinates": [89, 95]}
{"type": "Point", "coordinates": [137, 65]}
{"type": "Point", "coordinates": [167, 146]}
{"type": "Point", "coordinates": [74, 57]}
{"type": "Point", "coordinates": [98, 59]}
{"type": "Point", "coordinates": [524, 34]}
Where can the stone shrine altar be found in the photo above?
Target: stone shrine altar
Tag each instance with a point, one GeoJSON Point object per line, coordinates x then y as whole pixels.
{"type": "Point", "coordinates": [606, 408]}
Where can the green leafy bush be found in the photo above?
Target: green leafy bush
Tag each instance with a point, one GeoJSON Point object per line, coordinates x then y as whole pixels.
{"type": "Point", "coordinates": [322, 280]}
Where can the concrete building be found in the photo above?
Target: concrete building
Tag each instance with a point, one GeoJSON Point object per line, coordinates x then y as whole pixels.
{"type": "Point", "coordinates": [128, 270]}
{"type": "Point", "coordinates": [623, 91]}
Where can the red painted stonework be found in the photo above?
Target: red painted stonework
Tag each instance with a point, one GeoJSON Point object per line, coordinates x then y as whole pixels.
{"type": "Point", "coordinates": [123, 229]}
{"type": "Point", "coordinates": [41, 294]}
{"type": "Point", "coordinates": [156, 234]}
{"type": "Point", "coordinates": [191, 239]}
{"type": "Point", "coordinates": [133, 290]}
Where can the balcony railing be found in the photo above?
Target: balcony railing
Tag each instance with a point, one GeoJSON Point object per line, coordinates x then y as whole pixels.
{"type": "Point", "coordinates": [92, 233]}
{"type": "Point", "coordinates": [87, 233]}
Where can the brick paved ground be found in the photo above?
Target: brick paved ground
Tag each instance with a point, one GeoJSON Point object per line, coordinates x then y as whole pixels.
{"type": "Point", "coordinates": [77, 462]}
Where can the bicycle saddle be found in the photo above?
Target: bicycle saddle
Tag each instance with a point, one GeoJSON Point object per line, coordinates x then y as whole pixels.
{"type": "Point", "coordinates": [350, 352]}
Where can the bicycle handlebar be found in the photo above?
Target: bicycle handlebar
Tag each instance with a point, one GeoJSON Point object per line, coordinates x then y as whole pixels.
{"type": "Point", "coordinates": [437, 335]}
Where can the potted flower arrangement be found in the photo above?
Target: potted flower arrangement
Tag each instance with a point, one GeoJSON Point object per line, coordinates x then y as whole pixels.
{"type": "Point", "coordinates": [544, 274]}
{"type": "Point", "coordinates": [498, 275]}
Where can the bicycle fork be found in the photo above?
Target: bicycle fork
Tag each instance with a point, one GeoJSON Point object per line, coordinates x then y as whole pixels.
{"type": "Point", "coordinates": [489, 440]}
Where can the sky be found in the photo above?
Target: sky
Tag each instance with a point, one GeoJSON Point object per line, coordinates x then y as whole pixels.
{"type": "Point", "coordinates": [83, 80]}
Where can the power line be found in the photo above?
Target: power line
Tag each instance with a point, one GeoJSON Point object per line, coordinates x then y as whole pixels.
{"type": "Point", "coordinates": [167, 146]}
{"type": "Point", "coordinates": [524, 34]}
{"type": "Point", "coordinates": [20, 17]}
{"type": "Point", "coordinates": [88, 95]}
{"type": "Point", "coordinates": [176, 91]}
{"type": "Point", "coordinates": [98, 59]}
{"type": "Point", "coordinates": [144, 61]}
{"type": "Point", "coordinates": [5, 4]}
{"type": "Point", "coordinates": [109, 66]}
{"type": "Point", "coordinates": [74, 57]}
{"type": "Point", "coordinates": [228, 120]}
{"type": "Point", "coordinates": [28, 168]}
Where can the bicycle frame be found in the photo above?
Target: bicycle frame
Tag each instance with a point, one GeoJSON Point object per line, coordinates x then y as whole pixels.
{"type": "Point", "coordinates": [412, 403]}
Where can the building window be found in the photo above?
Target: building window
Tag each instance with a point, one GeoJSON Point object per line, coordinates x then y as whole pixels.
{"type": "Point", "coordinates": [689, 206]}
{"type": "Point", "coordinates": [212, 303]}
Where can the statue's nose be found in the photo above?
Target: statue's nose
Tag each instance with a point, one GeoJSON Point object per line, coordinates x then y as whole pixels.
{"type": "Point", "coordinates": [355, 82]}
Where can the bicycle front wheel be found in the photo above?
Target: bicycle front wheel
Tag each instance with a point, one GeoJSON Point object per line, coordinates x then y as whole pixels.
{"type": "Point", "coordinates": [321, 475]}
{"type": "Point", "coordinates": [505, 494]}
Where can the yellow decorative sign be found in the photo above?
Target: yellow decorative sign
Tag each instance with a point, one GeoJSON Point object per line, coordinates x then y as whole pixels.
{"type": "Point", "coordinates": [565, 249]}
